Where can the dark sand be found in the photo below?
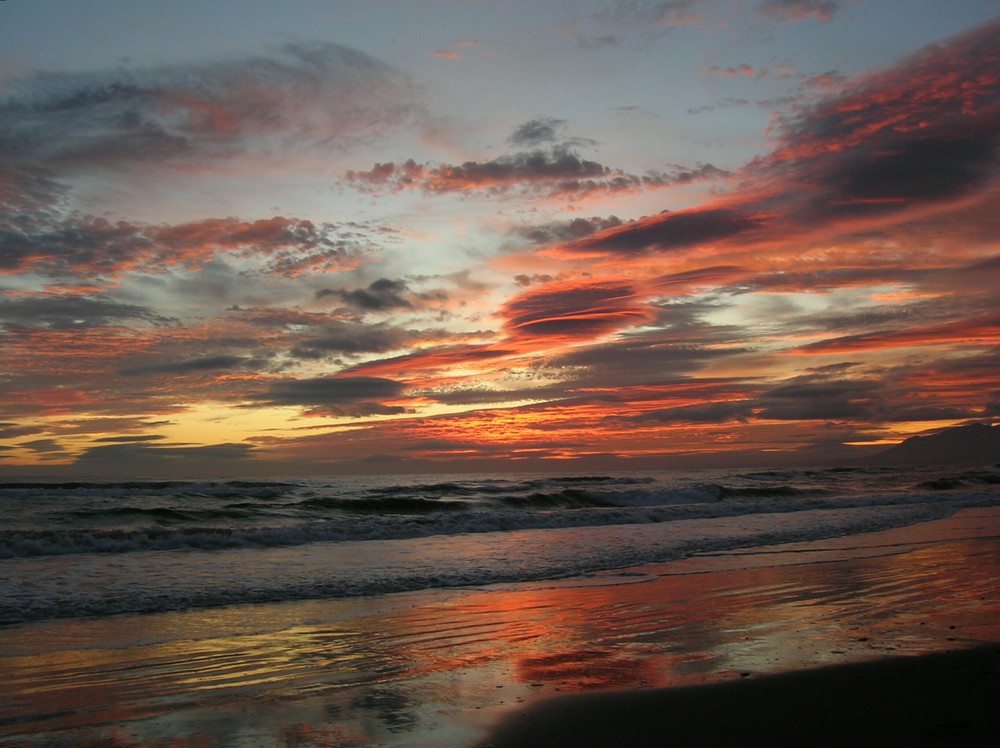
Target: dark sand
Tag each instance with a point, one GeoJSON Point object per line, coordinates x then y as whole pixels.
{"type": "Point", "coordinates": [941, 699]}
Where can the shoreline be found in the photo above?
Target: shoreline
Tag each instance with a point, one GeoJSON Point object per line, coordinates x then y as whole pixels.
{"type": "Point", "coordinates": [443, 668]}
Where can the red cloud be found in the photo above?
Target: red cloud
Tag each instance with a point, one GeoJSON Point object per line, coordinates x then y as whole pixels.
{"type": "Point", "coordinates": [574, 311]}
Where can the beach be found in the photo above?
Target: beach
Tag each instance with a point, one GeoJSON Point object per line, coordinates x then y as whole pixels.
{"type": "Point", "coordinates": [730, 647]}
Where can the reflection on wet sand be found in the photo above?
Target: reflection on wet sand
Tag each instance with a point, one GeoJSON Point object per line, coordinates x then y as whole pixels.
{"type": "Point", "coordinates": [432, 668]}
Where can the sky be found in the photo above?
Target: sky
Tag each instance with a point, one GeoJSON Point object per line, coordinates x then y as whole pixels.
{"type": "Point", "coordinates": [259, 238]}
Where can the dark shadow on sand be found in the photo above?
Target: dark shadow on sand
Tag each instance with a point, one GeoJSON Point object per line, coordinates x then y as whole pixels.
{"type": "Point", "coordinates": [941, 699]}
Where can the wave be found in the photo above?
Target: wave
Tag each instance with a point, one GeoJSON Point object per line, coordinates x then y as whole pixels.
{"type": "Point", "coordinates": [373, 522]}
{"type": "Point", "coordinates": [164, 513]}
{"type": "Point", "coordinates": [112, 489]}
{"type": "Point", "coordinates": [962, 480]}
{"type": "Point", "coordinates": [386, 505]}
{"type": "Point", "coordinates": [161, 582]}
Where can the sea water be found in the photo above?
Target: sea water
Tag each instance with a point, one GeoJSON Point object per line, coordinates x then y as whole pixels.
{"type": "Point", "coordinates": [89, 548]}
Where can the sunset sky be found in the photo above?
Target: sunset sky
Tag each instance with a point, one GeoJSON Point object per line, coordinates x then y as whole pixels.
{"type": "Point", "coordinates": [242, 237]}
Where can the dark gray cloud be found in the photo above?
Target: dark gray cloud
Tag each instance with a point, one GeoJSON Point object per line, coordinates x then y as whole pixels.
{"type": "Point", "coordinates": [380, 296]}
{"type": "Point", "coordinates": [887, 399]}
{"type": "Point", "coordinates": [344, 396]}
{"type": "Point", "coordinates": [155, 459]}
{"type": "Point", "coordinates": [561, 231]}
{"type": "Point", "coordinates": [940, 313]}
{"type": "Point", "coordinates": [713, 412]}
{"type": "Point", "coordinates": [71, 312]}
{"type": "Point", "coordinates": [546, 132]}
{"type": "Point", "coordinates": [351, 338]}
{"type": "Point", "coordinates": [925, 131]}
{"type": "Point", "coordinates": [129, 439]}
{"type": "Point", "coordinates": [319, 92]}
{"type": "Point", "coordinates": [44, 446]}
{"type": "Point", "coordinates": [816, 399]}
{"type": "Point", "coordinates": [637, 361]}
{"type": "Point", "coordinates": [221, 362]}
{"type": "Point", "coordinates": [30, 198]}
{"type": "Point", "coordinates": [916, 169]}
{"type": "Point", "coordinates": [536, 132]}
{"type": "Point", "coordinates": [670, 231]}
{"type": "Point", "coordinates": [547, 164]}
{"type": "Point", "coordinates": [89, 246]}
{"type": "Point", "coordinates": [826, 278]}
{"type": "Point", "coordinates": [14, 430]}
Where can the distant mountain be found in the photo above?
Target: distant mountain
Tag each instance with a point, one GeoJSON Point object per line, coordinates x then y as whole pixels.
{"type": "Point", "coordinates": [976, 443]}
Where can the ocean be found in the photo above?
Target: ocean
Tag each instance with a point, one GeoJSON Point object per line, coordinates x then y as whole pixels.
{"type": "Point", "coordinates": [87, 548]}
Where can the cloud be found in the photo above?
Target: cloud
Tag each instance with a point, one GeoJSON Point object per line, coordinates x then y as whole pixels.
{"type": "Point", "coordinates": [190, 366]}
{"type": "Point", "coordinates": [894, 395]}
{"type": "Point", "coordinates": [48, 448]}
{"type": "Point", "coordinates": [318, 92]}
{"type": "Point", "coordinates": [712, 412]}
{"type": "Point", "coordinates": [549, 166]}
{"type": "Point", "coordinates": [536, 132]}
{"type": "Point", "coordinates": [892, 143]}
{"type": "Point", "coordinates": [155, 459]}
{"type": "Point", "coordinates": [720, 104]}
{"type": "Point", "coordinates": [924, 130]}
{"type": "Point", "coordinates": [809, 398]}
{"type": "Point", "coordinates": [89, 246]}
{"type": "Point", "coordinates": [439, 361]}
{"type": "Point", "coordinates": [644, 360]}
{"type": "Point", "coordinates": [70, 312]}
{"type": "Point", "coordinates": [351, 339]}
{"type": "Point", "coordinates": [799, 10]}
{"type": "Point", "coordinates": [129, 439]}
{"type": "Point", "coordinates": [380, 296]}
{"type": "Point", "coordinates": [573, 310]}
{"type": "Point", "coordinates": [870, 226]}
{"type": "Point", "coordinates": [979, 330]}
{"type": "Point", "coordinates": [561, 231]}
{"type": "Point", "coordinates": [664, 13]}
{"type": "Point", "coordinates": [554, 172]}
{"type": "Point", "coordinates": [743, 70]}
{"type": "Point", "coordinates": [955, 166]}
{"type": "Point", "coordinates": [667, 232]}
{"type": "Point", "coordinates": [14, 430]}
{"type": "Point", "coordinates": [342, 396]}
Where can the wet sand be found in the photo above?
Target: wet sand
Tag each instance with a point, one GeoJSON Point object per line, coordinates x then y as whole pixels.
{"type": "Point", "coordinates": [744, 644]}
